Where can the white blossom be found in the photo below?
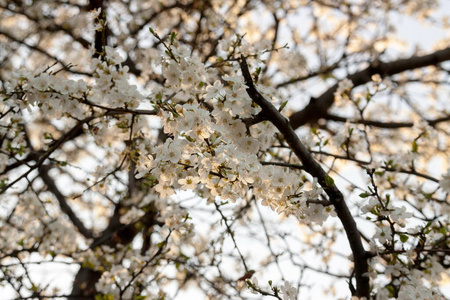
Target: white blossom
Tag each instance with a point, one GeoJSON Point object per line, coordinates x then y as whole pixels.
{"type": "Point", "coordinates": [289, 292]}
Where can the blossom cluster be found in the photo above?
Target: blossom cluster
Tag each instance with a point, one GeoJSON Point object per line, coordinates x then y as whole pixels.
{"type": "Point", "coordinates": [131, 130]}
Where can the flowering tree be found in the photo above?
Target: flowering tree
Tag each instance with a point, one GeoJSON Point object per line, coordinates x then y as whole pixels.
{"type": "Point", "coordinates": [222, 149]}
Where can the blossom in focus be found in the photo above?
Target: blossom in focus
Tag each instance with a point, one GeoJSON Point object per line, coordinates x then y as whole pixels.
{"type": "Point", "coordinates": [289, 291]}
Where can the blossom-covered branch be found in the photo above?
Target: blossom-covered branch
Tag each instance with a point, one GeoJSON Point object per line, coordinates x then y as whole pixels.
{"type": "Point", "coordinates": [327, 183]}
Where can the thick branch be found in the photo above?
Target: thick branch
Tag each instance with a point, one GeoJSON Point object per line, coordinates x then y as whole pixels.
{"type": "Point", "coordinates": [65, 207]}
{"type": "Point", "coordinates": [75, 131]}
{"type": "Point", "coordinates": [314, 168]}
{"type": "Point", "coordinates": [115, 233]}
{"type": "Point", "coordinates": [100, 35]}
{"type": "Point", "coordinates": [318, 107]}
{"type": "Point", "coordinates": [386, 125]}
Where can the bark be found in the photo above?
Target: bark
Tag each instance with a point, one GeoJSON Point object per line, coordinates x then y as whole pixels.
{"type": "Point", "coordinates": [65, 207]}
{"type": "Point", "coordinates": [313, 167]}
{"type": "Point", "coordinates": [116, 233]}
{"type": "Point", "coordinates": [318, 107]}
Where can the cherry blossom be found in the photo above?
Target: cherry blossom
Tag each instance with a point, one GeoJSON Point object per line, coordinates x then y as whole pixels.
{"type": "Point", "coordinates": [285, 149]}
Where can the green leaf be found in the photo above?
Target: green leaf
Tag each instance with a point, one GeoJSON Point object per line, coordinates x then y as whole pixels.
{"type": "Point", "coordinates": [329, 181]}
{"type": "Point", "coordinates": [256, 74]}
{"type": "Point", "coordinates": [173, 36]}
{"type": "Point", "coordinates": [282, 106]}
{"type": "Point", "coordinates": [428, 195]}
{"type": "Point", "coordinates": [391, 290]}
{"type": "Point", "coordinates": [189, 138]}
{"type": "Point", "coordinates": [364, 195]}
{"type": "Point", "coordinates": [104, 297]}
{"type": "Point", "coordinates": [415, 147]}
{"type": "Point", "coordinates": [403, 237]}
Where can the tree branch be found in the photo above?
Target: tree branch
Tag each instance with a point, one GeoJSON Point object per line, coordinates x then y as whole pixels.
{"type": "Point", "coordinates": [386, 125]}
{"type": "Point", "coordinates": [318, 107]}
{"type": "Point", "coordinates": [42, 51]}
{"type": "Point", "coordinates": [75, 131]}
{"type": "Point", "coordinates": [314, 168]}
{"type": "Point", "coordinates": [65, 207]}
